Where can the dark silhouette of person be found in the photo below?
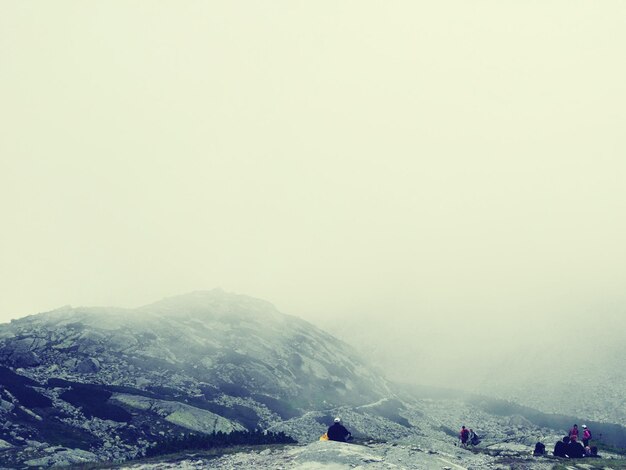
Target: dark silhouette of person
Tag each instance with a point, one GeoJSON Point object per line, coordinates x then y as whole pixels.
{"type": "Point", "coordinates": [473, 438]}
{"type": "Point", "coordinates": [337, 432]}
{"type": "Point", "coordinates": [575, 449]}
{"type": "Point", "coordinates": [560, 448]}
{"type": "Point", "coordinates": [540, 449]}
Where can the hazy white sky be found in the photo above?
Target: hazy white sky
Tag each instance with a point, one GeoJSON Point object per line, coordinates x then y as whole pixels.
{"type": "Point", "coordinates": [416, 161]}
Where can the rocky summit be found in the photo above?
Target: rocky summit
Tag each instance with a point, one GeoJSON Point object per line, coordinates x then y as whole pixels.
{"type": "Point", "coordinates": [80, 385]}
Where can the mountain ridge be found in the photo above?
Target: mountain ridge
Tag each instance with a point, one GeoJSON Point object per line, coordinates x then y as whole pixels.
{"type": "Point", "coordinates": [171, 367]}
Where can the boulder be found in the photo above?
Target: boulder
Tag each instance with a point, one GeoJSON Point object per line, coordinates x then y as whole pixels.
{"type": "Point", "coordinates": [4, 445]}
{"type": "Point", "coordinates": [88, 366]}
{"type": "Point", "coordinates": [24, 359]}
{"type": "Point", "coordinates": [5, 405]}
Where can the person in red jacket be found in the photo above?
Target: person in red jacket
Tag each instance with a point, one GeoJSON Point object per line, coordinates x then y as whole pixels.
{"type": "Point", "coordinates": [573, 433]}
{"type": "Point", "coordinates": [464, 436]}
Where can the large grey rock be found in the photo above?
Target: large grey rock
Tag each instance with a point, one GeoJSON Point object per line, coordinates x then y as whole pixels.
{"type": "Point", "coordinates": [63, 458]}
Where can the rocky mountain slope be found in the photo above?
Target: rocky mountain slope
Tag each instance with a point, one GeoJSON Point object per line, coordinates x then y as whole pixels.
{"type": "Point", "coordinates": [105, 384]}
{"type": "Point", "coordinates": [110, 381]}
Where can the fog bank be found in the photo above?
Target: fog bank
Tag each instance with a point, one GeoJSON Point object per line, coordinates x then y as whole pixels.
{"type": "Point", "coordinates": [427, 180]}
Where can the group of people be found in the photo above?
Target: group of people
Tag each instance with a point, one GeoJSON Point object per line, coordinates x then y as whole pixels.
{"type": "Point", "coordinates": [570, 446]}
{"type": "Point", "coordinates": [468, 435]}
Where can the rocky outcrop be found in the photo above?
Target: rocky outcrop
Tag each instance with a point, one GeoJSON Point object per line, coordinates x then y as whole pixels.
{"type": "Point", "coordinates": [186, 416]}
{"type": "Point", "coordinates": [63, 458]}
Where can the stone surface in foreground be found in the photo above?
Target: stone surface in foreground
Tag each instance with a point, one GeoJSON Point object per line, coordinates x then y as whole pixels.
{"type": "Point", "coordinates": [340, 456]}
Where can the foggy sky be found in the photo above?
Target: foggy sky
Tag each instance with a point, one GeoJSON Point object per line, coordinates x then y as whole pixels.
{"type": "Point", "coordinates": [400, 163]}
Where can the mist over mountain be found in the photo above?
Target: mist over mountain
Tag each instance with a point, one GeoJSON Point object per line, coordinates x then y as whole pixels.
{"type": "Point", "coordinates": [577, 370]}
{"type": "Point", "coordinates": [563, 363]}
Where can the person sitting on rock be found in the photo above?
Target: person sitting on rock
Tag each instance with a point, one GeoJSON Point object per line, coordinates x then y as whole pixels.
{"type": "Point", "coordinates": [540, 449]}
{"type": "Point", "coordinates": [560, 448]}
{"type": "Point", "coordinates": [575, 449]}
{"type": "Point", "coordinates": [337, 432]}
{"type": "Point", "coordinates": [473, 438]}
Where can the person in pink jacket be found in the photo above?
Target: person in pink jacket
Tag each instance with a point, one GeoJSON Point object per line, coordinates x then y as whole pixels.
{"type": "Point", "coordinates": [586, 435]}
